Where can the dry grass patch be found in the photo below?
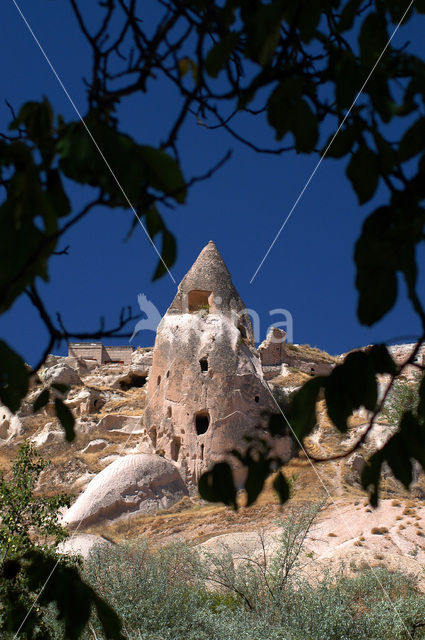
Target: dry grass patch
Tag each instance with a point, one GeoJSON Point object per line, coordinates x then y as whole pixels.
{"type": "Point", "coordinates": [131, 403]}
{"type": "Point", "coordinates": [307, 352]}
{"type": "Point", "coordinates": [195, 521]}
{"type": "Point", "coordinates": [379, 531]}
{"type": "Point", "coordinates": [294, 378]}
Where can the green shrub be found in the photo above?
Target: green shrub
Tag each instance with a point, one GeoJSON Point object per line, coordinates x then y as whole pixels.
{"type": "Point", "coordinates": [168, 594]}
{"type": "Point", "coordinates": [42, 596]}
{"type": "Point", "coordinates": [402, 397]}
{"type": "Point", "coordinates": [28, 523]}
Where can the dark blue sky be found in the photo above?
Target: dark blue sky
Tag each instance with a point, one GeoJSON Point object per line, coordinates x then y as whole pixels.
{"type": "Point", "coordinates": [310, 270]}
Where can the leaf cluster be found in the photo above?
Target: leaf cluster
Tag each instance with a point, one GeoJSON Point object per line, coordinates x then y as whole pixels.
{"type": "Point", "coordinates": [258, 460]}
{"type": "Point", "coordinates": [32, 574]}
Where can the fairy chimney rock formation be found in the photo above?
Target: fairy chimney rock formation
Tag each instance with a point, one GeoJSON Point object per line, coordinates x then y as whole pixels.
{"type": "Point", "coordinates": [206, 388]}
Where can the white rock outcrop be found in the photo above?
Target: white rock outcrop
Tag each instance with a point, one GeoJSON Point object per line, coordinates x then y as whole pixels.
{"type": "Point", "coordinates": [85, 401]}
{"type": "Point", "coordinates": [141, 360]}
{"type": "Point", "coordinates": [60, 373]}
{"type": "Point", "coordinates": [139, 483]}
{"type": "Point", "coordinates": [50, 433]}
{"type": "Point", "coordinates": [10, 424]}
{"type": "Point", "coordinates": [123, 424]}
{"type": "Point", "coordinates": [95, 445]}
{"type": "Point", "coordinates": [82, 544]}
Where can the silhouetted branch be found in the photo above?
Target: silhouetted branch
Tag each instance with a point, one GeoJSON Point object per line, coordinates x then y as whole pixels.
{"type": "Point", "coordinates": [64, 252]}
{"type": "Point", "coordinates": [360, 441]}
{"type": "Point", "coordinates": [415, 627]}
{"type": "Point", "coordinates": [58, 332]}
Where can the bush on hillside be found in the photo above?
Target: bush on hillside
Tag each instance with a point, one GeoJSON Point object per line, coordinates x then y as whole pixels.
{"type": "Point", "coordinates": [167, 594]}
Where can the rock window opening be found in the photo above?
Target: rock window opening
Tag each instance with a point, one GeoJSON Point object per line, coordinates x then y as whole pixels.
{"type": "Point", "coordinates": [204, 365]}
{"type": "Point", "coordinates": [169, 412]}
{"type": "Point", "coordinates": [158, 381]}
{"type": "Point", "coordinates": [257, 399]}
{"type": "Point", "coordinates": [168, 374]}
{"type": "Point", "coordinates": [198, 300]}
{"type": "Point", "coordinates": [175, 449]}
{"type": "Point", "coordinates": [202, 451]}
{"type": "Point", "coordinates": [202, 422]}
{"type": "Point", "coordinates": [312, 369]}
{"type": "Point", "coordinates": [242, 330]}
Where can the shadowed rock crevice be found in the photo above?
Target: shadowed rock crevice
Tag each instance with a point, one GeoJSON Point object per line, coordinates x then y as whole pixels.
{"type": "Point", "coordinates": [133, 380]}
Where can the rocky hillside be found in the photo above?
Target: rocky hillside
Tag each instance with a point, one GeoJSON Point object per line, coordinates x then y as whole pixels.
{"type": "Point", "coordinates": [108, 402]}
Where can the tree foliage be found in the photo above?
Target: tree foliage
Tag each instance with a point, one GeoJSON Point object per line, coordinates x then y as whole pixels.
{"type": "Point", "coordinates": [175, 593]}
{"type": "Point", "coordinates": [32, 574]}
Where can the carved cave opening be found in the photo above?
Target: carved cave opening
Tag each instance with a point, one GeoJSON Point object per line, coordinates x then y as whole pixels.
{"type": "Point", "coordinates": [202, 422]}
{"type": "Point", "coordinates": [198, 300]}
{"type": "Point", "coordinates": [133, 380]}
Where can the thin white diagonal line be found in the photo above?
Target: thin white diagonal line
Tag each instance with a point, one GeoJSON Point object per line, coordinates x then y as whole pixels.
{"type": "Point", "coordinates": [341, 517]}
{"type": "Point", "coordinates": [91, 136]}
{"type": "Point", "coordinates": [329, 145]}
{"type": "Point", "coordinates": [78, 525]}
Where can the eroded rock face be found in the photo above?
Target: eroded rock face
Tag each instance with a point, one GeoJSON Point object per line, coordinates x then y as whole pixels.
{"type": "Point", "coordinates": [206, 389]}
{"type": "Point", "coordinates": [94, 446]}
{"type": "Point", "coordinates": [85, 401]}
{"type": "Point", "coordinates": [141, 360]}
{"type": "Point", "coordinates": [83, 544]}
{"type": "Point", "coordinates": [60, 373]}
{"type": "Point", "coordinates": [132, 484]}
{"type": "Point", "coordinates": [51, 432]}
{"type": "Point", "coordinates": [275, 353]}
{"type": "Point", "coordinates": [10, 424]}
{"type": "Point", "coordinates": [122, 423]}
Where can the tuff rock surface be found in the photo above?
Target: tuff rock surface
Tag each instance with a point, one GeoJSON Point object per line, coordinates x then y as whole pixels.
{"type": "Point", "coordinates": [82, 544]}
{"type": "Point", "coordinates": [132, 484]}
{"type": "Point", "coordinates": [206, 390]}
